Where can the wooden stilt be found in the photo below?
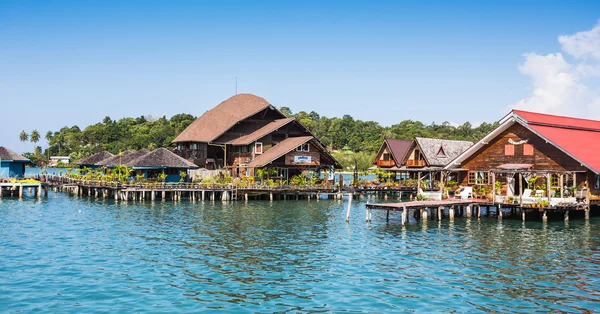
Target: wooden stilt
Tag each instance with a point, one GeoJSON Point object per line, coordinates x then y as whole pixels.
{"type": "Point", "coordinates": [587, 213]}
{"type": "Point", "coordinates": [499, 209]}
{"type": "Point", "coordinates": [440, 212]}
{"type": "Point", "coordinates": [424, 214]}
{"type": "Point", "coordinates": [544, 216]}
{"type": "Point", "coordinates": [350, 205]}
{"type": "Point", "coordinates": [522, 214]}
{"type": "Point", "coordinates": [478, 211]}
{"type": "Point", "coordinates": [567, 215]}
{"type": "Point", "coordinates": [451, 213]}
{"type": "Point", "coordinates": [469, 211]}
{"type": "Point", "coordinates": [404, 215]}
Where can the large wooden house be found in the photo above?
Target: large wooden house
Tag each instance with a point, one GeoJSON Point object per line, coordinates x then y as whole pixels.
{"type": "Point", "coordinates": [246, 132]}
{"type": "Point", "coordinates": [534, 155]}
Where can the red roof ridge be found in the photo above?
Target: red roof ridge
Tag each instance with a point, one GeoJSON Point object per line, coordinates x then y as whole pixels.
{"type": "Point", "coordinates": [524, 113]}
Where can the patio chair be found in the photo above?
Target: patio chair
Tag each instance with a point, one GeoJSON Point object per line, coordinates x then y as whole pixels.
{"type": "Point", "coordinates": [465, 192]}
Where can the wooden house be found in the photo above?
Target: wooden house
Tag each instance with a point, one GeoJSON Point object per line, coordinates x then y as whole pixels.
{"type": "Point", "coordinates": [534, 156]}
{"type": "Point", "coordinates": [390, 154]}
{"type": "Point", "coordinates": [161, 161]}
{"type": "Point", "coordinates": [246, 132]}
{"type": "Point", "coordinates": [426, 158]}
{"type": "Point", "coordinates": [93, 160]}
{"type": "Point", "coordinates": [12, 165]}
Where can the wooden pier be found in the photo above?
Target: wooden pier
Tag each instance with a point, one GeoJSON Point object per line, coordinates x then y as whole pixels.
{"type": "Point", "coordinates": [473, 208]}
{"type": "Point", "coordinates": [18, 189]}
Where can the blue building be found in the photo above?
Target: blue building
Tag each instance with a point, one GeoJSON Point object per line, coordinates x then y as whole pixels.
{"type": "Point", "coordinates": [12, 165]}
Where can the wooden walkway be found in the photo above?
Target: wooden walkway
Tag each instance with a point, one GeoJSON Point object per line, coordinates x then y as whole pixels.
{"type": "Point", "coordinates": [472, 207]}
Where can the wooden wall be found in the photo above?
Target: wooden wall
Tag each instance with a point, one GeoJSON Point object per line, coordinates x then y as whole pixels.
{"type": "Point", "coordinates": [545, 156]}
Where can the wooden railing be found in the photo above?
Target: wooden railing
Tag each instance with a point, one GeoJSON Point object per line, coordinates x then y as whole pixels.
{"type": "Point", "coordinates": [385, 163]}
{"type": "Point", "coordinates": [415, 163]}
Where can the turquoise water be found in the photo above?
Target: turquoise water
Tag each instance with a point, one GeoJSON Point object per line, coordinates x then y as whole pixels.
{"type": "Point", "coordinates": [69, 255]}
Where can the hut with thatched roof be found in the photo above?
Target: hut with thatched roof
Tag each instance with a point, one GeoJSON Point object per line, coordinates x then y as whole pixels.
{"type": "Point", "coordinates": [91, 161]}
{"type": "Point", "coordinates": [161, 161]}
{"type": "Point", "coordinates": [12, 165]}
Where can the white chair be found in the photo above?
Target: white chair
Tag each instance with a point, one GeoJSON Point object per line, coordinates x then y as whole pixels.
{"type": "Point", "coordinates": [465, 192]}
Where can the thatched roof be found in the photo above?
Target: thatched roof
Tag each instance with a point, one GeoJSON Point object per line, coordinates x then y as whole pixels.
{"type": "Point", "coordinates": [221, 118]}
{"type": "Point", "coordinates": [7, 154]}
{"type": "Point", "coordinates": [95, 158]}
{"type": "Point", "coordinates": [262, 132]}
{"type": "Point", "coordinates": [440, 152]}
{"type": "Point", "coordinates": [161, 158]}
{"type": "Point", "coordinates": [114, 160]}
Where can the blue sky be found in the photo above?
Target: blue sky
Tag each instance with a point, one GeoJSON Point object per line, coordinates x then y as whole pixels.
{"type": "Point", "coordinates": [75, 62]}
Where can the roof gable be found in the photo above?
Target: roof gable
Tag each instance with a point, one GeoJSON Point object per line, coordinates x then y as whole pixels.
{"type": "Point", "coordinates": [223, 117]}
{"type": "Point", "coordinates": [397, 148]}
{"type": "Point", "coordinates": [430, 148]}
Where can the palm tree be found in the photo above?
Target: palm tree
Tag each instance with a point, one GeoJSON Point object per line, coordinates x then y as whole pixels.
{"type": "Point", "coordinates": [34, 138]}
{"type": "Point", "coordinates": [23, 136]}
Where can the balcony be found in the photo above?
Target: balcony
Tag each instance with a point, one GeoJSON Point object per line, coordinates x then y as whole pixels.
{"type": "Point", "coordinates": [415, 163]}
{"type": "Point", "coordinates": [385, 163]}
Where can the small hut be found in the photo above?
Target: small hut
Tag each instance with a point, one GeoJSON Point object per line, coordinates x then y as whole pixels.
{"type": "Point", "coordinates": [161, 161]}
{"type": "Point", "coordinates": [91, 161]}
{"type": "Point", "coordinates": [117, 159]}
{"type": "Point", "coordinates": [12, 165]}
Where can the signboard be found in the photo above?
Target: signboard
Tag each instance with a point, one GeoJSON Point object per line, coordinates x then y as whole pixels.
{"type": "Point", "coordinates": [306, 159]}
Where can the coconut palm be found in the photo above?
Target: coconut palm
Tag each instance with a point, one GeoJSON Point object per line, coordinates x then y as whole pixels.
{"type": "Point", "coordinates": [34, 138]}
{"type": "Point", "coordinates": [23, 136]}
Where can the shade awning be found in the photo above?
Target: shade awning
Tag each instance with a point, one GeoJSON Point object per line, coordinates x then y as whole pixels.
{"type": "Point", "coordinates": [515, 166]}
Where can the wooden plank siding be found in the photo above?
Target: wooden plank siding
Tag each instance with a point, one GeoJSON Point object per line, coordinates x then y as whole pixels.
{"type": "Point", "coordinates": [545, 156]}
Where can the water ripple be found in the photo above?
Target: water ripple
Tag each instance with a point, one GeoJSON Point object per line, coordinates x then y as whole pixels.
{"type": "Point", "coordinates": [79, 255]}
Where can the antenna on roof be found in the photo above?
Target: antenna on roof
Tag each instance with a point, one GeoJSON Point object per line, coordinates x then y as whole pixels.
{"type": "Point", "coordinates": [236, 85]}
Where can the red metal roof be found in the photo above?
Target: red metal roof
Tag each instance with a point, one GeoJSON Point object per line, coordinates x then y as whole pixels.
{"type": "Point", "coordinates": [577, 137]}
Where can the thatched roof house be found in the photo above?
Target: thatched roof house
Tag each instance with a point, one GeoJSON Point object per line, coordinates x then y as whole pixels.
{"type": "Point", "coordinates": [161, 158]}
{"type": "Point", "coordinates": [12, 164]}
{"type": "Point", "coordinates": [439, 152]}
{"type": "Point", "coordinates": [125, 158]}
{"type": "Point", "coordinates": [92, 160]}
{"type": "Point", "coordinates": [114, 160]}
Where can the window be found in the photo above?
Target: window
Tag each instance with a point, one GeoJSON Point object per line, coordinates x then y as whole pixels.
{"type": "Point", "coordinates": [386, 156]}
{"type": "Point", "coordinates": [509, 150]}
{"type": "Point", "coordinates": [258, 148]}
{"type": "Point", "coordinates": [441, 152]}
{"type": "Point", "coordinates": [303, 148]}
{"type": "Point", "coordinates": [244, 149]}
{"type": "Point", "coordinates": [528, 150]}
{"type": "Point", "coordinates": [479, 177]}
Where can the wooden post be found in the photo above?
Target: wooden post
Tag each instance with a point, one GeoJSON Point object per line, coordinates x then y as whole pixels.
{"type": "Point", "coordinates": [574, 179]}
{"type": "Point", "coordinates": [499, 209]}
{"type": "Point", "coordinates": [424, 214]}
{"type": "Point", "coordinates": [493, 188]}
{"type": "Point", "coordinates": [404, 215]}
{"type": "Point", "coordinates": [246, 197]}
{"type": "Point", "coordinates": [367, 214]}
{"type": "Point", "coordinates": [38, 190]}
{"type": "Point", "coordinates": [548, 184]}
{"type": "Point", "coordinates": [442, 183]}
{"type": "Point", "coordinates": [478, 211]}
{"type": "Point", "coordinates": [562, 185]}
{"type": "Point", "coordinates": [202, 195]}
{"type": "Point", "coordinates": [520, 189]}
{"type": "Point", "coordinates": [163, 195]}
{"type": "Point", "coordinates": [587, 212]}
{"type": "Point", "coordinates": [153, 195]}
{"type": "Point", "coordinates": [469, 210]}
{"type": "Point", "coordinates": [418, 182]}
{"type": "Point", "coordinates": [349, 205]}
{"type": "Point", "coordinates": [439, 212]}
{"type": "Point", "coordinates": [567, 215]}
{"type": "Point", "coordinates": [271, 196]}
{"type": "Point", "coordinates": [544, 216]}
{"type": "Point", "coordinates": [451, 213]}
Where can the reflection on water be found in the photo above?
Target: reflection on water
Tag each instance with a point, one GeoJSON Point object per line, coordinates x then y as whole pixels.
{"type": "Point", "coordinates": [80, 255]}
